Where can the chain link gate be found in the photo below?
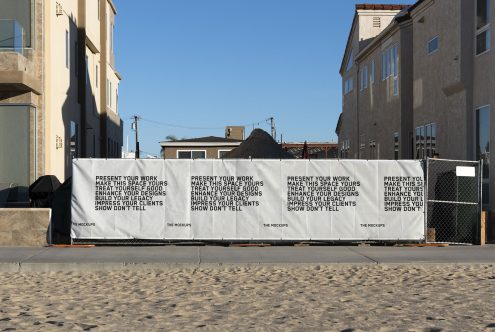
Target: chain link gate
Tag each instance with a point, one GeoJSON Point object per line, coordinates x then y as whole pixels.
{"type": "Point", "coordinates": [453, 206]}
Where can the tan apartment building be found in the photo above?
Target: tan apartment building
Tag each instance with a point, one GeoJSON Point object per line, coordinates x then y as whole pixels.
{"type": "Point", "coordinates": [423, 84]}
{"type": "Point", "coordinates": [210, 147]}
{"type": "Point", "coordinates": [58, 86]}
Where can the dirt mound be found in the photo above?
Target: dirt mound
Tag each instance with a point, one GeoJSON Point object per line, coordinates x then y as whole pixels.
{"type": "Point", "coordinates": [259, 145]}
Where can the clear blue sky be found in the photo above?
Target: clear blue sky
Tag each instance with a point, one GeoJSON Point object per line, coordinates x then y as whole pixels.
{"type": "Point", "coordinates": [214, 63]}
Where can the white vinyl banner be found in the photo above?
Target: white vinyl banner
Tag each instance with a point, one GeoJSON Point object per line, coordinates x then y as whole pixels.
{"type": "Point", "coordinates": [247, 199]}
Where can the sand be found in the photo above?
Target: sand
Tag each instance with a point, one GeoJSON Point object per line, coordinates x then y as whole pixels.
{"type": "Point", "coordinates": [316, 298]}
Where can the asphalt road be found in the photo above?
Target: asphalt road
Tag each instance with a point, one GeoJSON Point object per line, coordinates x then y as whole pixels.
{"type": "Point", "coordinates": [20, 259]}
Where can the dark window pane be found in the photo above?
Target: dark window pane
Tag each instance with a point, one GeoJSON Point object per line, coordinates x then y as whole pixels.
{"type": "Point", "coordinates": [433, 139]}
{"type": "Point", "coordinates": [20, 12]}
{"type": "Point", "coordinates": [422, 142]}
{"type": "Point", "coordinates": [74, 140]}
{"type": "Point", "coordinates": [433, 45]}
{"type": "Point", "coordinates": [482, 40]}
{"type": "Point", "coordinates": [483, 139]}
{"type": "Point", "coordinates": [428, 141]}
{"type": "Point", "coordinates": [418, 143]}
{"type": "Point", "coordinates": [198, 154]}
{"type": "Point", "coordinates": [15, 142]}
{"type": "Point", "coordinates": [184, 154]}
{"type": "Point", "coordinates": [482, 13]}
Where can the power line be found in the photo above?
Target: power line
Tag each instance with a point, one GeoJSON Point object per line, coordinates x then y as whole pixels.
{"type": "Point", "coordinates": [165, 124]}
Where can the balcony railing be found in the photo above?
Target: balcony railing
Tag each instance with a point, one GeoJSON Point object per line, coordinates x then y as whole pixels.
{"type": "Point", "coordinates": [11, 36]}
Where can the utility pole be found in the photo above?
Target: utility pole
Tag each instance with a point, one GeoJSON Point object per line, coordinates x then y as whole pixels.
{"type": "Point", "coordinates": [272, 125]}
{"type": "Point", "coordinates": [135, 127]}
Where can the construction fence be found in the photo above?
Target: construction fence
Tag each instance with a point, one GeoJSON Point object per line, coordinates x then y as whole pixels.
{"type": "Point", "coordinates": [140, 201]}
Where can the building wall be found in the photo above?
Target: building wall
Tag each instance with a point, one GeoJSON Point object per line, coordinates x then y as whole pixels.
{"type": "Point", "coordinates": [61, 88]}
{"type": "Point", "coordinates": [364, 113]}
{"type": "Point", "coordinates": [439, 91]}
{"type": "Point", "coordinates": [378, 108]}
{"type": "Point", "coordinates": [444, 87]}
{"type": "Point", "coordinates": [30, 64]}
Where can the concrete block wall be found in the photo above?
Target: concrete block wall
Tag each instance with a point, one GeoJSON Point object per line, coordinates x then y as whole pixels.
{"type": "Point", "coordinates": [25, 227]}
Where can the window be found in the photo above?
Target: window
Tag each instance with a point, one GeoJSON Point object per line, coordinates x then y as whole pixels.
{"type": "Point", "coordinates": [96, 76]}
{"type": "Point", "coordinates": [348, 85]}
{"type": "Point", "coordinates": [98, 5]}
{"type": "Point", "coordinates": [433, 45]}
{"type": "Point", "coordinates": [17, 144]}
{"type": "Point", "coordinates": [364, 78]}
{"type": "Point", "coordinates": [67, 49]}
{"type": "Point", "coordinates": [350, 62]}
{"type": "Point", "coordinates": [390, 66]}
{"type": "Point", "coordinates": [344, 150]}
{"type": "Point", "coordinates": [74, 140]}
{"type": "Point", "coordinates": [482, 26]}
{"type": "Point", "coordinates": [396, 145]}
{"type": "Point", "coordinates": [16, 23]}
{"type": "Point", "coordinates": [222, 153]}
{"type": "Point", "coordinates": [482, 147]}
{"type": "Point", "coordinates": [76, 59]}
{"type": "Point", "coordinates": [110, 94]}
{"type": "Point", "coordinates": [390, 62]}
{"type": "Point", "coordinates": [482, 13]}
{"type": "Point", "coordinates": [384, 69]}
{"type": "Point", "coordinates": [191, 154]}
{"type": "Point", "coordinates": [87, 70]}
{"type": "Point", "coordinates": [426, 141]}
{"type": "Point", "coordinates": [372, 71]}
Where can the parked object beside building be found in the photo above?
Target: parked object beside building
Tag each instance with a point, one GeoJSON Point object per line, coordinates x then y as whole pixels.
{"type": "Point", "coordinates": [418, 82]}
{"type": "Point", "coordinates": [316, 150]}
{"type": "Point", "coordinates": [210, 147]}
{"type": "Point", "coordinates": [58, 87]}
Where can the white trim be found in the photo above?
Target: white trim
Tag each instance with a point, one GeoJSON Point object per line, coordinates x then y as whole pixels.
{"type": "Point", "coordinates": [191, 150]}
{"type": "Point", "coordinates": [487, 29]}
{"type": "Point", "coordinates": [198, 144]}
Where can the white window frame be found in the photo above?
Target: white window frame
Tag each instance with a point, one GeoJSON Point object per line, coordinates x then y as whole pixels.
{"type": "Point", "coordinates": [483, 29]}
{"type": "Point", "coordinates": [191, 151]}
{"type": "Point", "coordinates": [437, 37]}
{"type": "Point", "coordinates": [222, 150]}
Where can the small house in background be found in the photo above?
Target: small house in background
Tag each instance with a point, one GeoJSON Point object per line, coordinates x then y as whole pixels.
{"type": "Point", "coordinates": [316, 150]}
{"type": "Point", "coordinates": [210, 147]}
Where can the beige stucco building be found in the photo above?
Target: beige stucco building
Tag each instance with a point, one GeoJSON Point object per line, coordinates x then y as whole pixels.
{"type": "Point", "coordinates": [58, 86]}
{"type": "Point", "coordinates": [422, 83]}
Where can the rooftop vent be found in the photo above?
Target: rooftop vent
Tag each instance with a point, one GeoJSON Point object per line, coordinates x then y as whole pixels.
{"type": "Point", "coordinates": [377, 22]}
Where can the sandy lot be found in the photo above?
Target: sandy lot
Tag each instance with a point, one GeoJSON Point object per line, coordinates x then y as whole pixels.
{"type": "Point", "coordinates": [330, 298]}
